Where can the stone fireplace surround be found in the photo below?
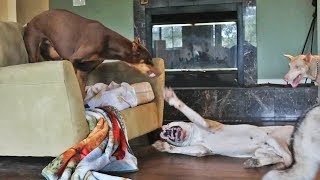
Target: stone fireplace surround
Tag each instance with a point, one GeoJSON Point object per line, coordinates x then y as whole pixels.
{"type": "Point", "coordinates": [247, 103]}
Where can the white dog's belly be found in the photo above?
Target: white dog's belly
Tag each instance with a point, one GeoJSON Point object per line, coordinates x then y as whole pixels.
{"type": "Point", "coordinates": [235, 141]}
{"type": "Point", "coordinates": [231, 146]}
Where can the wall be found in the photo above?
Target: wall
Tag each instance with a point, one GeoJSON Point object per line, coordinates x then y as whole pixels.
{"type": "Point", "coordinates": [8, 10]}
{"type": "Point", "coordinates": [27, 9]}
{"type": "Point", "coordinates": [3, 10]}
{"type": "Point", "coordinates": [12, 12]}
{"type": "Point", "coordinates": [282, 27]}
{"type": "Point", "coordinates": [21, 11]}
{"type": "Point", "coordinates": [115, 14]}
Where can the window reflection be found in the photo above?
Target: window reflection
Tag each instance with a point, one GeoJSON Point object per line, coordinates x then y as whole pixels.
{"type": "Point", "coordinates": [199, 46]}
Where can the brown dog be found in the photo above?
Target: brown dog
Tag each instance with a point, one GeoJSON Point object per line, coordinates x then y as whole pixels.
{"type": "Point", "coordinates": [60, 34]}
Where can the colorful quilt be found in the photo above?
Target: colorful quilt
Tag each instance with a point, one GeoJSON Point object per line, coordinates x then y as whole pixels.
{"type": "Point", "coordinates": [106, 149]}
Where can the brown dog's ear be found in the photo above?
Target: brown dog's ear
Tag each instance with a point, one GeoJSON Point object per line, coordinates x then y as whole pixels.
{"type": "Point", "coordinates": [289, 57]}
{"type": "Point", "coordinates": [137, 40]}
{"type": "Point", "coordinates": [308, 58]}
{"type": "Point", "coordinates": [135, 47]}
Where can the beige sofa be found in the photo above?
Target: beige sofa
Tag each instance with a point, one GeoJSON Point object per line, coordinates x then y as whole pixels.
{"type": "Point", "coordinates": [41, 109]}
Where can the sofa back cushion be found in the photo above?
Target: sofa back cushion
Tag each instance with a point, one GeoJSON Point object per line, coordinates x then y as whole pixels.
{"type": "Point", "coordinates": [12, 48]}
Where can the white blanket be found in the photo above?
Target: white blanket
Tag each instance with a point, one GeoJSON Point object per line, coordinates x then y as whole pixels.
{"type": "Point", "coordinates": [120, 96]}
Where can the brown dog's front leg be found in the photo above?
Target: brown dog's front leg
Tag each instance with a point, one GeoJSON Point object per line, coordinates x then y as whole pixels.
{"type": "Point", "coordinates": [32, 41]}
{"type": "Point", "coordinates": [82, 78]}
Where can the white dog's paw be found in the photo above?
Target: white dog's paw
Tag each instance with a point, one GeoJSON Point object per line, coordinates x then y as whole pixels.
{"type": "Point", "coordinates": [162, 146]}
{"type": "Point", "coordinates": [279, 166]}
{"type": "Point", "coordinates": [168, 94]}
{"type": "Point", "coordinates": [171, 97]}
{"type": "Point", "coordinates": [251, 163]}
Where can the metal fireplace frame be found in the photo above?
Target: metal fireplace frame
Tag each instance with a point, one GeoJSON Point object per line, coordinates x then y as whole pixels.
{"type": "Point", "coordinates": [214, 78]}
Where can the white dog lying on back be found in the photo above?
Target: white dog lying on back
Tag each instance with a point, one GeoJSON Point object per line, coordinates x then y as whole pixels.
{"type": "Point", "coordinates": [263, 145]}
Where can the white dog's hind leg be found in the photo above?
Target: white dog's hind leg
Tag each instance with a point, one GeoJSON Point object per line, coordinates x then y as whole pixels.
{"type": "Point", "coordinates": [262, 157]}
{"type": "Point", "coordinates": [281, 150]}
{"type": "Point", "coordinates": [193, 116]}
{"type": "Point", "coordinates": [196, 150]}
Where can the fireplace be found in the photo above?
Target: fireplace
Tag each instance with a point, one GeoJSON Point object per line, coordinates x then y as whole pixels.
{"type": "Point", "coordinates": [240, 100]}
{"type": "Point", "coordinates": [202, 42]}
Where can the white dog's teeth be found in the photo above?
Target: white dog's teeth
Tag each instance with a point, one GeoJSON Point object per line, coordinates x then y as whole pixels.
{"type": "Point", "coordinates": [152, 75]}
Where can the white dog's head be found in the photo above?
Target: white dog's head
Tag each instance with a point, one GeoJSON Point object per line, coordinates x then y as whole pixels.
{"type": "Point", "coordinates": [177, 133]}
{"type": "Point", "coordinates": [298, 68]}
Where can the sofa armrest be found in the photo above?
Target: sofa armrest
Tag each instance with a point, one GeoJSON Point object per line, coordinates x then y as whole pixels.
{"type": "Point", "coordinates": [119, 71]}
{"type": "Point", "coordinates": [41, 109]}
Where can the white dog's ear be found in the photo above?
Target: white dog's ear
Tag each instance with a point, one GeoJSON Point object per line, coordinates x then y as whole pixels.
{"type": "Point", "coordinates": [289, 57]}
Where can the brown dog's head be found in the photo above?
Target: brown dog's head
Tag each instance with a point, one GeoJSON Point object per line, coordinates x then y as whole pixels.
{"type": "Point", "coordinates": [142, 60]}
{"type": "Point", "coordinates": [298, 68]}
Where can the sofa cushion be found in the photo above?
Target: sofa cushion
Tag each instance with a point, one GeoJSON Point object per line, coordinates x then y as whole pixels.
{"type": "Point", "coordinates": [12, 48]}
{"type": "Point", "coordinates": [141, 119]}
{"type": "Point", "coordinates": [42, 111]}
{"type": "Point", "coordinates": [143, 92]}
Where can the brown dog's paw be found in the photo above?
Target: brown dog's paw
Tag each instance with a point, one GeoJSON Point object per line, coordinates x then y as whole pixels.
{"type": "Point", "coordinates": [161, 146]}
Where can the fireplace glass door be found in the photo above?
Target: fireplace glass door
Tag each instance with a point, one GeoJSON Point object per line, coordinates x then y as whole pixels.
{"type": "Point", "coordinates": [200, 45]}
{"type": "Point", "coordinates": [206, 47]}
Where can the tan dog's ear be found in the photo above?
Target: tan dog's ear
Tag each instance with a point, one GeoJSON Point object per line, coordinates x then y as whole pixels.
{"type": "Point", "coordinates": [308, 58]}
{"type": "Point", "coordinates": [289, 57]}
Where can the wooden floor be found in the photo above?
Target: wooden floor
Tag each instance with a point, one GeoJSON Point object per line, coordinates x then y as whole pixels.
{"type": "Point", "coordinates": [153, 165]}
{"type": "Point", "coordinates": [157, 165]}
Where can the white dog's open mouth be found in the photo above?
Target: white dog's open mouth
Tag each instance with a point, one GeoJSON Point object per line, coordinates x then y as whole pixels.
{"type": "Point", "coordinates": [296, 81]}
{"type": "Point", "coordinates": [174, 133]}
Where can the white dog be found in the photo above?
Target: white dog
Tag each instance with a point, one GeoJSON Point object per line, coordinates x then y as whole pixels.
{"type": "Point", "coordinates": [263, 145]}
{"type": "Point", "coordinates": [306, 145]}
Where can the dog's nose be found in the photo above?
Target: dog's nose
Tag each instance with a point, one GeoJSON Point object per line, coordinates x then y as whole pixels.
{"type": "Point", "coordinates": [164, 127]}
{"type": "Point", "coordinates": [285, 78]}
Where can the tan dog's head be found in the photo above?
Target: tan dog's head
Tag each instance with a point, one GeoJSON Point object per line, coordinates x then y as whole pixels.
{"type": "Point", "coordinates": [176, 133]}
{"type": "Point", "coordinates": [298, 68]}
{"type": "Point", "coordinates": [142, 60]}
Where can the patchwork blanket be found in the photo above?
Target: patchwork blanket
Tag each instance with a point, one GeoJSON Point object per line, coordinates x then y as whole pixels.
{"type": "Point", "coordinates": [106, 149]}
